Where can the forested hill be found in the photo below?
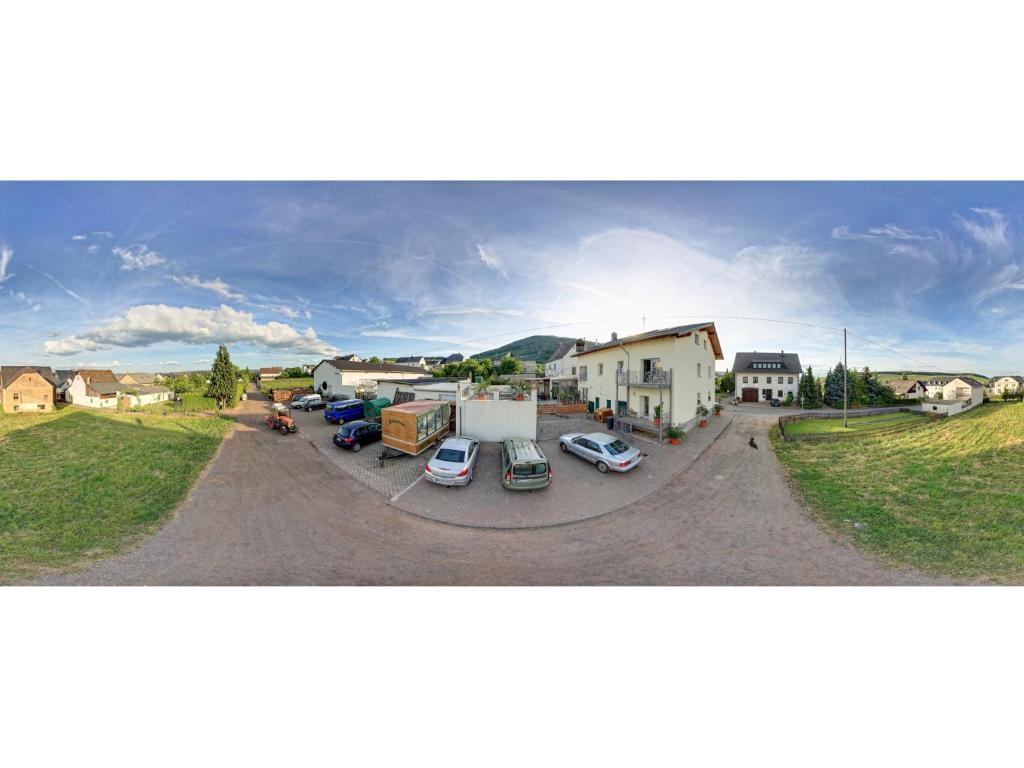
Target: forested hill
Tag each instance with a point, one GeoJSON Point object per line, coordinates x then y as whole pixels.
{"type": "Point", "coordinates": [538, 348]}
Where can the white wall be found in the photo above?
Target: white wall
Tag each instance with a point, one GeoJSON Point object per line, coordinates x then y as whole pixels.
{"type": "Point", "coordinates": [762, 383]}
{"type": "Point", "coordinates": [76, 395]}
{"type": "Point", "coordinates": [491, 421]}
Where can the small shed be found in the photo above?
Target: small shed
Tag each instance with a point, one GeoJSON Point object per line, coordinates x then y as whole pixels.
{"type": "Point", "coordinates": [414, 426]}
{"type": "Point", "coordinates": [372, 408]}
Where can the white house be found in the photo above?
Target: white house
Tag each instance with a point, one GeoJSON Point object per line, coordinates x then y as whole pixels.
{"type": "Point", "coordinates": [1002, 384]}
{"type": "Point", "coordinates": [495, 415]}
{"type": "Point", "coordinates": [92, 390]}
{"type": "Point", "coordinates": [419, 362]}
{"type": "Point", "coordinates": [957, 394]}
{"type": "Point", "coordinates": [661, 375]}
{"type": "Point", "coordinates": [423, 388]}
{"type": "Point", "coordinates": [342, 377]}
{"type": "Point", "coordinates": [909, 389]}
{"type": "Point", "coordinates": [765, 376]}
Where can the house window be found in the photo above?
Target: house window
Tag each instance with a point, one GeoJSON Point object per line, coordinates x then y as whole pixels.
{"type": "Point", "coordinates": [15, 395]}
{"type": "Point", "coordinates": [618, 365]}
{"type": "Point", "coordinates": [600, 369]}
{"type": "Point", "coordinates": [696, 339]}
{"type": "Point", "coordinates": [780, 393]}
{"type": "Point", "coordinates": [744, 379]}
{"type": "Point", "coordinates": [755, 379]}
{"type": "Point", "coordinates": [705, 343]}
{"type": "Point", "coordinates": [698, 370]}
{"type": "Point", "coordinates": [767, 379]}
{"type": "Point", "coordinates": [574, 370]}
{"type": "Point", "coordinates": [790, 380]}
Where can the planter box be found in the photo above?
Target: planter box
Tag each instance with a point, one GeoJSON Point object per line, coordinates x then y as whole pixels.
{"type": "Point", "coordinates": [574, 408]}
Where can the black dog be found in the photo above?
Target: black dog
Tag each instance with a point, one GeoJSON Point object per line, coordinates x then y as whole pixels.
{"type": "Point", "coordinates": [753, 444]}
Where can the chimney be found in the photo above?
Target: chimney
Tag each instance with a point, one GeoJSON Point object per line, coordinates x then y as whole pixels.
{"type": "Point", "coordinates": [580, 344]}
{"type": "Point", "coordinates": [615, 336]}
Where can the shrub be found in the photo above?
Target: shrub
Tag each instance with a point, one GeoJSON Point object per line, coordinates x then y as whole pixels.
{"type": "Point", "coordinates": [193, 401]}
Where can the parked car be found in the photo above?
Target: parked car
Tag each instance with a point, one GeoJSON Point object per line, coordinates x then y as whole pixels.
{"type": "Point", "coordinates": [776, 402]}
{"type": "Point", "coordinates": [308, 402]}
{"type": "Point", "coordinates": [524, 467]}
{"type": "Point", "coordinates": [345, 410]}
{"type": "Point", "coordinates": [608, 452]}
{"type": "Point", "coordinates": [454, 461]}
{"type": "Point", "coordinates": [356, 434]}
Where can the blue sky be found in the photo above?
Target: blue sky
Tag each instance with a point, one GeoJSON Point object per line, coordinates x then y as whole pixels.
{"type": "Point", "coordinates": [152, 275]}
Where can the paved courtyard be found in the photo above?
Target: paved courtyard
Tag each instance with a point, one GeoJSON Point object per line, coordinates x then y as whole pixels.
{"type": "Point", "coordinates": [273, 510]}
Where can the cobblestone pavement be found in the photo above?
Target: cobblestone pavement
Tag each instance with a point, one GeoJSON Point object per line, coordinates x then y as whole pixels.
{"type": "Point", "coordinates": [272, 510]}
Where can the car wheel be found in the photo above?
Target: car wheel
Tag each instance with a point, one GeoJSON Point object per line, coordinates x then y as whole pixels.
{"type": "Point", "coordinates": [562, 446]}
{"type": "Point", "coordinates": [602, 467]}
{"type": "Point", "coordinates": [357, 447]}
{"type": "Point", "coordinates": [284, 430]}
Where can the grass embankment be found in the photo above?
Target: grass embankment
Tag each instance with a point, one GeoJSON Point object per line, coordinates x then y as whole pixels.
{"type": "Point", "coordinates": [78, 484]}
{"type": "Point", "coordinates": [946, 499]}
{"type": "Point", "coordinates": [857, 424]}
{"type": "Point", "coordinates": [305, 381]}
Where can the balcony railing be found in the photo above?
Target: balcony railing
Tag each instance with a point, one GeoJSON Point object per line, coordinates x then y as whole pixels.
{"type": "Point", "coordinates": [653, 378]}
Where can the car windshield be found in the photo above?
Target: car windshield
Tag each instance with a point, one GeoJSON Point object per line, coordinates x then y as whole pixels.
{"type": "Point", "coordinates": [526, 470]}
{"type": "Point", "coordinates": [451, 454]}
{"type": "Point", "coordinates": [346, 431]}
{"type": "Point", "coordinates": [616, 447]}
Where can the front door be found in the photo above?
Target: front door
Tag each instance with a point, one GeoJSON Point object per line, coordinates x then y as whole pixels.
{"type": "Point", "coordinates": [766, 394]}
{"type": "Point", "coordinates": [645, 404]}
{"type": "Point", "coordinates": [749, 395]}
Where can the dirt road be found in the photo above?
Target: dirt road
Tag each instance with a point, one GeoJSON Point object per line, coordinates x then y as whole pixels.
{"type": "Point", "coordinates": [272, 510]}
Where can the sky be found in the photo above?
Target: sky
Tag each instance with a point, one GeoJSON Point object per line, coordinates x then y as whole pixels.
{"type": "Point", "coordinates": [149, 276]}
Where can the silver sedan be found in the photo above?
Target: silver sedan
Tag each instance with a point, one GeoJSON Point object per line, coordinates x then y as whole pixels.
{"type": "Point", "coordinates": [606, 451]}
{"type": "Point", "coordinates": [454, 462]}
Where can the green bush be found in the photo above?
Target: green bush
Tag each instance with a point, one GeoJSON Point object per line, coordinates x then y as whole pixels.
{"type": "Point", "coordinates": [193, 401]}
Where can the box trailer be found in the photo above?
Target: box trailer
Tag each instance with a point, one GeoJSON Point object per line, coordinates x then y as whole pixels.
{"type": "Point", "coordinates": [415, 426]}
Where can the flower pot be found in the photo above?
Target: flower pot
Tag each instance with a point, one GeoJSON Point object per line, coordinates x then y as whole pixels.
{"type": "Point", "coordinates": [481, 397]}
{"type": "Point", "coordinates": [657, 422]}
{"type": "Point", "coordinates": [674, 440]}
{"type": "Point", "coordinates": [703, 423]}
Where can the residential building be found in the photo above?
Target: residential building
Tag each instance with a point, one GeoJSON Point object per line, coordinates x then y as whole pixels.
{"type": "Point", "coordinates": [343, 377]}
{"type": "Point", "coordinates": [659, 375]}
{"type": "Point", "coordinates": [27, 388]}
{"type": "Point", "coordinates": [419, 362]}
{"type": "Point", "coordinates": [138, 379]}
{"type": "Point", "coordinates": [1000, 384]}
{"type": "Point", "coordinates": [559, 372]}
{"type": "Point", "coordinates": [957, 394]}
{"type": "Point", "coordinates": [423, 388]}
{"type": "Point", "coordinates": [271, 373]}
{"type": "Point", "coordinates": [82, 390]}
{"type": "Point", "coordinates": [934, 385]}
{"type": "Point", "coordinates": [765, 376]}
{"type": "Point", "coordinates": [909, 389]}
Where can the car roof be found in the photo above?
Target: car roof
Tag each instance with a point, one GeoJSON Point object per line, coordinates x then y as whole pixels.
{"type": "Point", "coordinates": [525, 450]}
{"type": "Point", "coordinates": [359, 423]}
{"type": "Point", "coordinates": [456, 442]}
{"type": "Point", "coordinates": [338, 403]}
{"type": "Point", "coordinates": [602, 437]}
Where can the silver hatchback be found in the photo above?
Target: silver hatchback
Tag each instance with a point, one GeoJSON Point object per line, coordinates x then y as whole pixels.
{"type": "Point", "coordinates": [606, 451]}
{"type": "Point", "coordinates": [454, 462]}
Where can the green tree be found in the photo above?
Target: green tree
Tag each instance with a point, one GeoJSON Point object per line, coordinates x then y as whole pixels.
{"type": "Point", "coordinates": [510, 365]}
{"type": "Point", "coordinates": [809, 390]}
{"type": "Point", "coordinates": [222, 379]}
{"type": "Point", "coordinates": [374, 359]}
{"type": "Point", "coordinates": [834, 386]}
{"type": "Point", "coordinates": [726, 382]}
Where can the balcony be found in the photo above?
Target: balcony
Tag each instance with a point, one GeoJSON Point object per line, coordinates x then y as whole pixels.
{"type": "Point", "coordinates": [657, 378]}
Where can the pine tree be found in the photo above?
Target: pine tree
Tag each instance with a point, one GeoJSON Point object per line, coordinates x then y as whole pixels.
{"type": "Point", "coordinates": [834, 386]}
{"type": "Point", "coordinates": [222, 378]}
{"type": "Point", "coordinates": [809, 390]}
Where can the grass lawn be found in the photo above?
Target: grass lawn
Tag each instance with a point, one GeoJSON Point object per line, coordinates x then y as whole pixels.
{"type": "Point", "coordinates": [857, 423]}
{"type": "Point", "coordinates": [945, 499]}
{"type": "Point", "coordinates": [305, 381]}
{"type": "Point", "coordinates": [78, 484]}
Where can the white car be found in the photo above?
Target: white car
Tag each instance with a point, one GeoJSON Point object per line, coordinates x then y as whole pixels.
{"type": "Point", "coordinates": [308, 402]}
{"type": "Point", "coordinates": [454, 461]}
{"type": "Point", "coordinates": [607, 452]}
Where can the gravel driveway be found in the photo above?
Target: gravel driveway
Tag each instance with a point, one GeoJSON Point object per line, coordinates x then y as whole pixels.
{"type": "Point", "coordinates": [273, 510]}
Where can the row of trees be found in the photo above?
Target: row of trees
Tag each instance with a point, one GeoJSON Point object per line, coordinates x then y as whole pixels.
{"type": "Point", "coordinates": [862, 388]}
{"type": "Point", "coordinates": [480, 370]}
{"type": "Point", "coordinates": [1010, 395]}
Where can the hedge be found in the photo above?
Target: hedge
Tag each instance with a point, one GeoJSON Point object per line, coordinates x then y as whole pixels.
{"type": "Point", "coordinates": [193, 401]}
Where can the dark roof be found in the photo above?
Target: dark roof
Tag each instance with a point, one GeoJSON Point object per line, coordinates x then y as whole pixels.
{"type": "Point", "coordinates": [345, 365]}
{"type": "Point", "coordinates": [108, 387]}
{"type": "Point", "coordinates": [8, 373]}
{"type": "Point", "coordinates": [1018, 379]}
{"type": "Point", "coordinates": [566, 347]}
{"type": "Point", "coordinates": [790, 361]}
{"type": "Point", "coordinates": [412, 359]}
{"type": "Point", "coordinates": [63, 374]}
{"type": "Point", "coordinates": [902, 386]}
{"type": "Point", "coordinates": [142, 378]}
{"type": "Point", "coordinates": [95, 375]}
{"type": "Point", "coordinates": [969, 380]}
{"type": "Point", "coordinates": [150, 389]}
{"type": "Point", "coordinates": [678, 330]}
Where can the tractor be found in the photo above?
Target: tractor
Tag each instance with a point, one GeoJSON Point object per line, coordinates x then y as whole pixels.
{"type": "Point", "coordinates": [280, 420]}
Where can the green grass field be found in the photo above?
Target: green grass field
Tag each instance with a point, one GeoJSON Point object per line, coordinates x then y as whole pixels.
{"type": "Point", "coordinates": [305, 381]}
{"type": "Point", "coordinates": [857, 424]}
{"type": "Point", "coordinates": [945, 499]}
{"type": "Point", "coordinates": [78, 484]}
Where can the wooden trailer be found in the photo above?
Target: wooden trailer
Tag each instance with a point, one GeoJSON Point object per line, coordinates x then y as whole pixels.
{"type": "Point", "coordinates": [414, 426]}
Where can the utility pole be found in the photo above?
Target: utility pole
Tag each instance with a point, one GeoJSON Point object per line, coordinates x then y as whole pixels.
{"type": "Point", "coordinates": [846, 378]}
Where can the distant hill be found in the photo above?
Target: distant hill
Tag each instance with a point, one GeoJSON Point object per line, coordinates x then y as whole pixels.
{"type": "Point", "coordinates": [538, 348]}
{"type": "Point", "coordinates": [896, 375]}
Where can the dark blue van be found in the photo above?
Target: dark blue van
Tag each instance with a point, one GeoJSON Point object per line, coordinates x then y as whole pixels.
{"type": "Point", "coordinates": [346, 410]}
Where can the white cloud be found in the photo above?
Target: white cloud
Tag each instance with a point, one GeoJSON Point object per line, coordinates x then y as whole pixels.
{"type": "Point", "coordinates": [168, 362]}
{"type": "Point", "coordinates": [103, 233]}
{"type": "Point", "coordinates": [93, 248]}
{"type": "Point", "coordinates": [888, 232]}
{"type": "Point", "coordinates": [138, 257]}
{"type": "Point", "coordinates": [60, 285]}
{"type": "Point", "coordinates": [79, 237]}
{"type": "Point", "coordinates": [148, 324]}
{"type": "Point", "coordinates": [491, 259]}
{"type": "Point", "coordinates": [6, 254]}
{"type": "Point", "coordinates": [990, 231]}
{"type": "Point", "coordinates": [216, 286]}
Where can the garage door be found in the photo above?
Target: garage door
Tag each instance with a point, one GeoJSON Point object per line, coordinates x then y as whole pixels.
{"type": "Point", "coordinates": [750, 394]}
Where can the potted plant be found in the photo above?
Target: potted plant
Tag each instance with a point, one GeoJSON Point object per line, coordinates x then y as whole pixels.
{"type": "Point", "coordinates": [674, 434]}
{"type": "Point", "coordinates": [702, 414]}
{"type": "Point", "coordinates": [520, 390]}
{"type": "Point", "coordinates": [481, 389]}
{"type": "Point", "coordinates": [718, 409]}
{"type": "Point", "coordinates": [657, 415]}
